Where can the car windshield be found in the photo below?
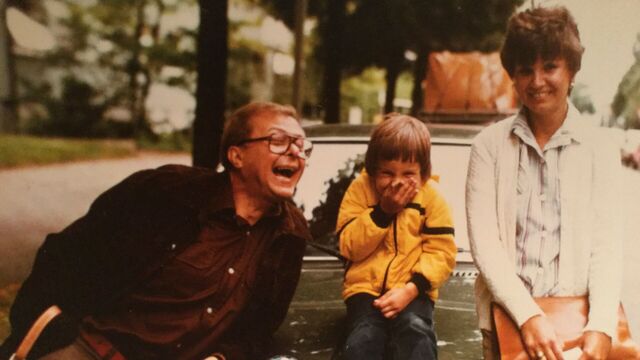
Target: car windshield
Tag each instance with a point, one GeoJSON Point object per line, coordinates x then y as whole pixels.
{"type": "Point", "coordinates": [336, 161]}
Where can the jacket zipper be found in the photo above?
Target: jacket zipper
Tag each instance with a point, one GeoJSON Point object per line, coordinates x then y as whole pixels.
{"type": "Point", "coordinates": [395, 254]}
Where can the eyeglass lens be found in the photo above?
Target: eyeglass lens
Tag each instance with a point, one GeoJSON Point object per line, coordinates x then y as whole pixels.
{"type": "Point", "coordinates": [280, 143]}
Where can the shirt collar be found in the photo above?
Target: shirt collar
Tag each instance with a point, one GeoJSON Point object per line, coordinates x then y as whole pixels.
{"type": "Point", "coordinates": [223, 205]}
{"type": "Point", "coordinates": [570, 130]}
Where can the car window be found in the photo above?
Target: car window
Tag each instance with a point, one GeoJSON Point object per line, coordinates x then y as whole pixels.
{"type": "Point", "coordinates": [335, 163]}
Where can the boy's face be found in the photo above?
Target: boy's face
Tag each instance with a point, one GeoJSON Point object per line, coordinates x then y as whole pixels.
{"type": "Point", "coordinates": [395, 174]}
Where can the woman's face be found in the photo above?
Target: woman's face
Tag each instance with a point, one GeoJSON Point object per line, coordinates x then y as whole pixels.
{"type": "Point", "coordinates": [543, 87]}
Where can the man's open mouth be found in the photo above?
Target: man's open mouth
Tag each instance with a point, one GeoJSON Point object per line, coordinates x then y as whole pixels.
{"type": "Point", "coordinates": [287, 172]}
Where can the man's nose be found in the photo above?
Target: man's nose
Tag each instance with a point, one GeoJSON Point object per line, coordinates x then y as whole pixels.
{"type": "Point", "coordinates": [296, 150]}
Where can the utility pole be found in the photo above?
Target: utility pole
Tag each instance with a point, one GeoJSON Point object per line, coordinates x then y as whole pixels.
{"type": "Point", "coordinates": [300, 14]}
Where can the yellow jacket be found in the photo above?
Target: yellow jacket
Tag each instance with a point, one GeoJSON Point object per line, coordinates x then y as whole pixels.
{"type": "Point", "coordinates": [384, 253]}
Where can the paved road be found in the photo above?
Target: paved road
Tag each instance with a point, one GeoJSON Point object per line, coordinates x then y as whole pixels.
{"type": "Point", "coordinates": [38, 200]}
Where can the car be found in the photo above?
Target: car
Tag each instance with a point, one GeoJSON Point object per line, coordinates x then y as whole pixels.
{"type": "Point", "coordinates": [314, 327]}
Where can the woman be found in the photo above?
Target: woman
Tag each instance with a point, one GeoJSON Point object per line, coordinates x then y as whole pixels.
{"type": "Point", "coordinates": [542, 189]}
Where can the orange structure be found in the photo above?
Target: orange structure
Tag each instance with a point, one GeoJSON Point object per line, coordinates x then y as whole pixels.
{"type": "Point", "coordinates": [470, 83]}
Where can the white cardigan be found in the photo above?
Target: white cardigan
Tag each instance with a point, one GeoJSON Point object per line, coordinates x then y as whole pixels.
{"type": "Point", "coordinates": [591, 223]}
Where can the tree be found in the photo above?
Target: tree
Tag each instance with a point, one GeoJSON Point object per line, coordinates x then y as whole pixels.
{"type": "Point", "coordinates": [421, 26]}
{"type": "Point", "coordinates": [332, 17]}
{"type": "Point", "coordinates": [212, 77]}
{"type": "Point", "coordinates": [581, 100]}
{"type": "Point", "coordinates": [8, 76]}
{"type": "Point", "coordinates": [626, 102]}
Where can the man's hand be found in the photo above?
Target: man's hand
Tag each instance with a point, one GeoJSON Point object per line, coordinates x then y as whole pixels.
{"type": "Point", "coordinates": [595, 345]}
{"type": "Point", "coordinates": [395, 300]}
{"type": "Point", "coordinates": [397, 195]}
{"type": "Point", "coordinates": [540, 339]}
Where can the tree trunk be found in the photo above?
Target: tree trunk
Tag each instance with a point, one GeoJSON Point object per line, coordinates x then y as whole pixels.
{"type": "Point", "coordinates": [8, 118]}
{"type": "Point", "coordinates": [394, 65]}
{"type": "Point", "coordinates": [334, 35]}
{"type": "Point", "coordinates": [419, 74]}
{"type": "Point", "coordinates": [212, 79]}
{"type": "Point", "coordinates": [134, 68]}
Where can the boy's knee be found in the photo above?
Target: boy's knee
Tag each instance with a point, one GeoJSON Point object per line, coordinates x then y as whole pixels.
{"type": "Point", "coordinates": [364, 341]}
{"type": "Point", "coordinates": [412, 322]}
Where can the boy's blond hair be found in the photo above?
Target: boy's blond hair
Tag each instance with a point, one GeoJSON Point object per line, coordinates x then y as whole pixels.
{"type": "Point", "coordinates": [399, 137]}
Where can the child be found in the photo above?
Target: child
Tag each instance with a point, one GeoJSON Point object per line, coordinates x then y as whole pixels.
{"type": "Point", "coordinates": [396, 231]}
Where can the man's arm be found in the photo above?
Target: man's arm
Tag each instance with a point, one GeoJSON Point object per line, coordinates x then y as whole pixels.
{"type": "Point", "coordinates": [92, 261]}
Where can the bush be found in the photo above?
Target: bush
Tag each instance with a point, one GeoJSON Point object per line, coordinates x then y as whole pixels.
{"type": "Point", "coordinates": [77, 113]}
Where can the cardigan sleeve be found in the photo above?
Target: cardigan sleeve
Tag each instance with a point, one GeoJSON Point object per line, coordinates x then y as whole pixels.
{"type": "Point", "coordinates": [489, 251]}
{"type": "Point", "coordinates": [605, 263]}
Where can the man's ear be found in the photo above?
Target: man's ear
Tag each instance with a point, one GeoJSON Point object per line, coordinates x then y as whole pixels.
{"type": "Point", "coordinates": [234, 154]}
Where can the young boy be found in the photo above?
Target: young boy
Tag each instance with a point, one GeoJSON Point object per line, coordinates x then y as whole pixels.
{"type": "Point", "coordinates": [395, 228]}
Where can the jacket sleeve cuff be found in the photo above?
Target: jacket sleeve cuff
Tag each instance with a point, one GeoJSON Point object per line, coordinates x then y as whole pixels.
{"type": "Point", "coordinates": [381, 218]}
{"type": "Point", "coordinates": [421, 283]}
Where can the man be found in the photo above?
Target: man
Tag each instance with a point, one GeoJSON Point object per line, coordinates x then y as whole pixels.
{"type": "Point", "coordinates": [179, 262]}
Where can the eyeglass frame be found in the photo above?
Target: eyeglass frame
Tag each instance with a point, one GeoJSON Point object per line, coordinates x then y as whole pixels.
{"type": "Point", "coordinates": [303, 154]}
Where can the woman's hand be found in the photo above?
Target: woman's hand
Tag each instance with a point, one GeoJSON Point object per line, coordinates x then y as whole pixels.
{"type": "Point", "coordinates": [595, 345]}
{"type": "Point", "coordinates": [395, 300]}
{"type": "Point", "coordinates": [540, 339]}
{"type": "Point", "coordinates": [397, 195]}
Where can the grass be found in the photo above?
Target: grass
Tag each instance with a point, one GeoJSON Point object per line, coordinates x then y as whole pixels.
{"type": "Point", "coordinates": [7, 294]}
{"type": "Point", "coordinates": [19, 150]}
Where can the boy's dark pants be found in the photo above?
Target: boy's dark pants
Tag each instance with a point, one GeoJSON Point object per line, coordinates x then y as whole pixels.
{"type": "Point", "coordinates": [371, 336]}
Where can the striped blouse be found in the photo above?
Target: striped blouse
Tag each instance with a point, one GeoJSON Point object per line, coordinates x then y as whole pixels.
{"type": "Point", "coordinates": [538, 208]}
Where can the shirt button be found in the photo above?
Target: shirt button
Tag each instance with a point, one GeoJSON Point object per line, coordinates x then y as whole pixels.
{"type": "Point", "coordinates": [544, 234]}
{"type": "Point", "coordinates": [540, 270]}
{"type": "Point", "coordinates": [209, 310]}
{"type": "Point", "coordinates": [178, 345]}
{"type": "Point", "coordinates": [231, 271]}
{"type": "Point", "coordinates": [173, 246]}
{"type": "Point", "coordinates": [248, 233]}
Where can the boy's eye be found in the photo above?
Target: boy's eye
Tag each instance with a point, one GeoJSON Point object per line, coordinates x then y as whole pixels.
{"type": "Point", "coordinates": [548, 66]}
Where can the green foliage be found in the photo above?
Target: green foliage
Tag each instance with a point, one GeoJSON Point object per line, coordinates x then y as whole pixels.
{"type": "Point", "coordinates": [75, 114]}
{"type": "Point", "coordinates": [29, 150]}
{"type": "Point", "coordinates": [118, 50]}
{"type": "Point", "coordinates": [581, 100]}
{"type": "Point", "coordinates": [626, 103]}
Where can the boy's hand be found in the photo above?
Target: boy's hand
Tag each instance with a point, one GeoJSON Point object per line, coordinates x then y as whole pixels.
{"type": "Point", "coordinates": [397, 195]}
{"type": "Point", "coordinates": [395, 300]}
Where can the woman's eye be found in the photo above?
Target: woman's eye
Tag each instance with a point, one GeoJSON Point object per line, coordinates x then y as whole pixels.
{"type": "Point", "coordinates": [523, 71]}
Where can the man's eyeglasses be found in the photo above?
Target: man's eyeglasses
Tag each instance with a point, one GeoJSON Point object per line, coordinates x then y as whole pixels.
{"type": "Point", "coordinates": [280, 143]}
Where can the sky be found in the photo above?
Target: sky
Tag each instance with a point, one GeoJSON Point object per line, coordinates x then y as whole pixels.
{"type": "Point", "coordinates": [608, 30]}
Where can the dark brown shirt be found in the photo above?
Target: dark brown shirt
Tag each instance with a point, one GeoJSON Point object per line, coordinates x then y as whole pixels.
{"type": "Point", "coordinates": [185, 306]}
{"type": "Point", "coordinates": [151, 257]}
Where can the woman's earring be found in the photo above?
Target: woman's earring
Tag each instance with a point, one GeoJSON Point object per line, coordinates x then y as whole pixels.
{"type": "Point", "coordinates": [571, 87]}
